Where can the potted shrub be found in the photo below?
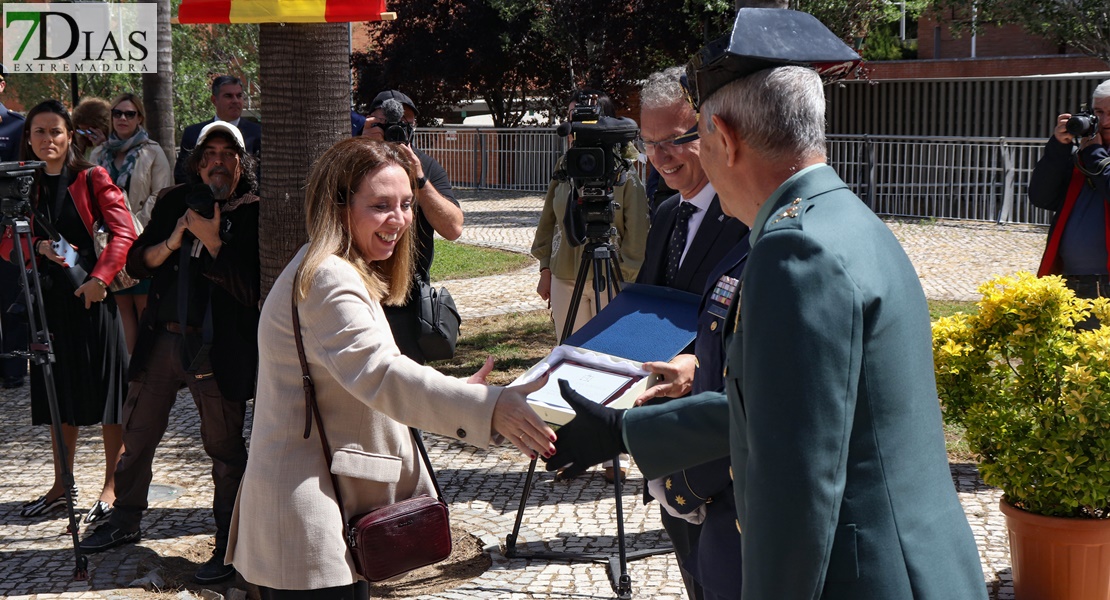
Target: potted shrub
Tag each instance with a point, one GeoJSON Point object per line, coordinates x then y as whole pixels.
{"type": "Point", "coordinates": [1033, 393]}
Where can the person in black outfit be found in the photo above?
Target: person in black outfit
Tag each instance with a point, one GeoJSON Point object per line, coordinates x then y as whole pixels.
{"type": "Point", "coordinates": [199, 329]}
{"type": "Point", "coordinates": [437, 211]}
{"type": "Point", "coordinates": [13, 370]}
{"type": "Point", "coordinates": [80, 312]}
{"type": "Point", "coordinates": [690, 234]}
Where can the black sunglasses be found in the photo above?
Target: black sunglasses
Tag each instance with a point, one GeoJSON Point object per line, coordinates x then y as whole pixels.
{"type": "Point", "coordinates": [128, 114]}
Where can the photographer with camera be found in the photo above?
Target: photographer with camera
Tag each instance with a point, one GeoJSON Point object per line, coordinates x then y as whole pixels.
{"type": "Point", "coordinates": [199, 330]}
{"type": "Point", "coordinates": [559, 259]}
{"type": "Point", "coordinates": [393, 119]}
{"type": "Point", "coordinates": [1072, 179]}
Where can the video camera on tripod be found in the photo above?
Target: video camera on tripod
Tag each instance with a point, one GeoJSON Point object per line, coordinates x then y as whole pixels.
{"type": "Point", "coordinates": [17, 181]}
{"type": "Point", "coordinates": [594, 164]}
{"type": "Point", "coordinates": [17, 189]}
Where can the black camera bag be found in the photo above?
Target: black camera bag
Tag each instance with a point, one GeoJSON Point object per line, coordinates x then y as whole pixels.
{"type": "Point", "coordinates": [439, 322]}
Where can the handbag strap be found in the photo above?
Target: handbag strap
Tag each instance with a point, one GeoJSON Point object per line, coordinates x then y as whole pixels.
{"type": "Point", "coordinates": [313, 410]}
{"type": "Point", "coordinates": [94, 206]}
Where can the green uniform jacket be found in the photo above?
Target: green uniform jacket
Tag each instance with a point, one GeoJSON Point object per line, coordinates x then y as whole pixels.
{"type": "Point", "coordinates": [842, 484]}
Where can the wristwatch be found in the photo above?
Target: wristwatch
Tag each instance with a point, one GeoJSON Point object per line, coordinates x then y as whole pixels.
{"type": "Point", "coordinates": [420, 182]}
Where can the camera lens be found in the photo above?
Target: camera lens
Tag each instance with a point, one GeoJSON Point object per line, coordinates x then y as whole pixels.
{"type": "Point", "coordinates": [1082, 125]}
{"type": "Point", "coordinates": [587, 163]}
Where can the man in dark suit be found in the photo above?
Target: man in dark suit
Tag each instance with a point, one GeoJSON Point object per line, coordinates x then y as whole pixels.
{"type": "Point", "coordinates": [689, 233]}
{"type": "Point", "coordinates": [199, 330]}
{"type": "Point", "coordinates": [842, 485]}
{"type": "Point", "coordinates": [227, 98]}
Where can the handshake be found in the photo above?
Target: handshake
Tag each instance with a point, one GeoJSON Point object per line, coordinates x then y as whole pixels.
{"type": "Point", "coordinates": [592, 437]}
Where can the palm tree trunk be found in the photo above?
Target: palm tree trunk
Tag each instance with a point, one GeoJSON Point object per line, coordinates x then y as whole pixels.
{"type": "Point", "coordinates": [306, 99]}
{"type": "Point", "coordinates": [158, 87]}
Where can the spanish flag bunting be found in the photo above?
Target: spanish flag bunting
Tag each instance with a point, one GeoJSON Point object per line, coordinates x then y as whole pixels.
{"type": "Point", "coordinates": [281, 11]}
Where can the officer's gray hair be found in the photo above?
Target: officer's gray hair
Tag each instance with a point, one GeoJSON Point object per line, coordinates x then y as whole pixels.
{"type": "Point", "coordinates": [1102, 91]}
{"type": "Point", "coordinates": [663, 88]}
{"type": "Point", "coordinates": [779, 112]}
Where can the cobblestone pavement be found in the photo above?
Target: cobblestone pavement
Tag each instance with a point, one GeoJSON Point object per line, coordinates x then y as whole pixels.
{"type": "Point", "coordinates": [483, 485]}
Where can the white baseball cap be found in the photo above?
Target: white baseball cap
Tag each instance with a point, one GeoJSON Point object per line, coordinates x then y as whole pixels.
{"type": "Point", "coordinates": [224, 126]}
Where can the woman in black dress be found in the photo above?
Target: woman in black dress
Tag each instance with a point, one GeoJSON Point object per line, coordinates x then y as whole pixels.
{"type": "Point", "coordinates": [90, 369]}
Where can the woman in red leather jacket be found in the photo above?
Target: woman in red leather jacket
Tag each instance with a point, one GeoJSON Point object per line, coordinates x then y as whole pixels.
{"type": "Point", "coordinates": [90, 369]}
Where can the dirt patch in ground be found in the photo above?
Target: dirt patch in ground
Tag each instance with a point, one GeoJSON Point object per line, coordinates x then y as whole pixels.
{"type": "Point", "coordinates": [466, 562]}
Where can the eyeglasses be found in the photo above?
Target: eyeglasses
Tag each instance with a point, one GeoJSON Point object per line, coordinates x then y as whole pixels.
{"type": "Point", "coordinates": [124, 114]}
{"type": "Point", "coordinates": [669, 144]}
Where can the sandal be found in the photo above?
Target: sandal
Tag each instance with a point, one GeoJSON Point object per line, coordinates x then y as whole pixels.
{"type": "Point", "coordinates": [42, 506]}
{"type": "Point", "coordinates": [101, 510]}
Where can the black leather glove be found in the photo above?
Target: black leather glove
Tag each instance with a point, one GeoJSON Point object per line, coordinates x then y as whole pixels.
{"type": "Point", "coordinates": [593, 436]}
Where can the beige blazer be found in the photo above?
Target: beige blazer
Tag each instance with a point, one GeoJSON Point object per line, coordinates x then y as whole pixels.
{"type": "Point", "coordinates": [286, 531]}
{"type": "Point", "coordinates": [150, 174]}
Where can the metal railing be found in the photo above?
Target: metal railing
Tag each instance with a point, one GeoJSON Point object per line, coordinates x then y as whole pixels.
{"type": "Point", "coordinates": [981, 179]}
{"type": "Point", "coordinates": [494, 159]}
{"type": "Point", "coordinates": [970, 178]}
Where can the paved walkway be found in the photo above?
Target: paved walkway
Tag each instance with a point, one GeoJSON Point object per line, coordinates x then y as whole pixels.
{"type": "Point", "coordinates": [484, 485]}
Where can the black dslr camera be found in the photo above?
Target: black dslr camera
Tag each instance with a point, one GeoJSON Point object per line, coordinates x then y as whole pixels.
{"type": "Point", "coordinates": [201, 199]}
{"type": "Point", "coordinates": [594, 165]}
{"type": "Point", "coordinates": [1082, 124]}
{"type": "Point", "coordinates": [17, 179]}
{"type": "Point", "coordinates": [395, 128]}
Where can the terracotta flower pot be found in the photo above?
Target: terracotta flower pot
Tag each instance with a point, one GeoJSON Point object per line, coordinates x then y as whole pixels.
{"type": "Point", "coordinates": [1058, 559]}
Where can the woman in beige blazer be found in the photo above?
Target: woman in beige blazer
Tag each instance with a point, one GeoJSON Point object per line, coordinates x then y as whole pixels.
{"type": "Point", "coordinates": [286, 529]}
{"type": "Point", "coordinates": [139, 167]}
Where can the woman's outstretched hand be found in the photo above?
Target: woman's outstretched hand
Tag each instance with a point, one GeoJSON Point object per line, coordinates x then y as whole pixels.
{"type": "Point", "coordinates": [518, 423]}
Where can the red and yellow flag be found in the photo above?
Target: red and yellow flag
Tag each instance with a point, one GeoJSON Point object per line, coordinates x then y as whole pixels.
{"type": "Point", "coordinates": [280, 11]}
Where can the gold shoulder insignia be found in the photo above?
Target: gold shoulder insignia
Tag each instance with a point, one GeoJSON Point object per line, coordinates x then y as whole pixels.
{"type": "Point", "coordinates": [667, 483]}
{"type": "Point", "coordinates": [791, 212]}
{"type": "Point", "coordinates": [679, 500]}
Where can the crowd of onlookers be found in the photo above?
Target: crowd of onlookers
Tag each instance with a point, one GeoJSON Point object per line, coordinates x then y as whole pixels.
{"type": "Point", "coordinates": [149, 280]}
{"type": "Point", "coordinates": [188, 236]}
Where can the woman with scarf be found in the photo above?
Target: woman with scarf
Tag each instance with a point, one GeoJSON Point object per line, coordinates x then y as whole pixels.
{"type": "Point", "coordinates": [139, 167]}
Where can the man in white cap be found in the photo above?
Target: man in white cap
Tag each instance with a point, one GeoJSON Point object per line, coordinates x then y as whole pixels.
{"type": "Point", "coordinates": [199, 330]}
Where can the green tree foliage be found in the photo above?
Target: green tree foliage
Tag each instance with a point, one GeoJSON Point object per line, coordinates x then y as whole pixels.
{"type": "Point", "coordinates": [32, 89]}
{"type": "Point", "coordinates": [1081, 24]}
{"type": "Point", "coordinates": [524, 55]}
{"type": "Point", "coordinates": [202, 52]}
{"type": "Point", "coordinates": [853, 20]}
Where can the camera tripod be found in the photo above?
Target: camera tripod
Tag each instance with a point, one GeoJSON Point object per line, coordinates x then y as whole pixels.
{"type": "Point", "coordinates": [600, 254]}
{"type": "Point", "coordinates": [41, 352]}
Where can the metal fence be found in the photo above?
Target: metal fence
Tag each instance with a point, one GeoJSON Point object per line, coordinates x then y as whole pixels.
{"type": "Point", "coordinates": [494, 159]}
{"type": "Point", "coordinates": [981, 179]}
{"type": "Point", "coordinates": [971, 178]}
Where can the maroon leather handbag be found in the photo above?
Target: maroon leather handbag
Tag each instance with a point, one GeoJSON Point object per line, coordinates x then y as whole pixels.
{"type": "Point", "coordinates": [394, 539]}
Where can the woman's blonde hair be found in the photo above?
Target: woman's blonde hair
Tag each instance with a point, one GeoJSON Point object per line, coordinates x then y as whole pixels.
{"type": "Point", "coordinates": [133, 99]}
{"type": "Point", "coordinates": [331, 185]}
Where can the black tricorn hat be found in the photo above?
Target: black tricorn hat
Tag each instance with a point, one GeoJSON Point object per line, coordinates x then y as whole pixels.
{"type": "Point", "coordinates": [763, 38]}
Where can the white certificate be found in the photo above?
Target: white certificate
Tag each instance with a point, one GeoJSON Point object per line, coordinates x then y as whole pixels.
{"type": "Point", "coordinates": [598, 386]}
